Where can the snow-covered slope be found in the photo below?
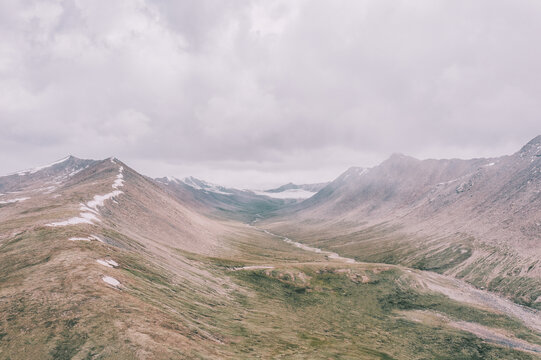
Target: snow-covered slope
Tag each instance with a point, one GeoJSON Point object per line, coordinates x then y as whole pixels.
{"type": "Point", "coordinates": [39, 168]}
{"type": "Point", "coordinates": [43, 179]}
{"type": "Point", "coordinates": [203, 185]}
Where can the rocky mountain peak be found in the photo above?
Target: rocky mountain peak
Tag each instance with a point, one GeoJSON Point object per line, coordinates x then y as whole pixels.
{"type": "Point", "coordinates": [533, 146]}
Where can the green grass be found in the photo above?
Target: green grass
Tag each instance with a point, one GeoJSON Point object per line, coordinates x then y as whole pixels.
{"type": "Point", "coordinates": [335, 317]}
{"type": "Point", "coordinates": [135, 266]}
{"type": "Point", "coordinates": [496, 269]}
{"type": "Point", "coordinates": [68, 345]}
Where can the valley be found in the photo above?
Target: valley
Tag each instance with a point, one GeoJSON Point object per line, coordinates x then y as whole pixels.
{"type": "Point", "coordinates": [407, 260]}
{"type": "Point", "coordinates": [456, 290]}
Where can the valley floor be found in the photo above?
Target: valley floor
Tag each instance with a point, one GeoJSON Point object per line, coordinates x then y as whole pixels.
{"type": "Point", "coordinates": [459, 291]}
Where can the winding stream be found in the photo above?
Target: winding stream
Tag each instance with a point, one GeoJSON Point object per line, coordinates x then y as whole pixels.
{"type": "Point", "coordinates": [329, 254]}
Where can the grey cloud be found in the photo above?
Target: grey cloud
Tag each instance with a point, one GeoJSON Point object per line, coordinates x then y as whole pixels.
{"type": "Point", "coordinates": [276, 87]}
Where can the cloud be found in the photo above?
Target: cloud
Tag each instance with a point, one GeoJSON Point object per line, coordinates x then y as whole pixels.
{"type": "Point", "coordinates": [263, 86]}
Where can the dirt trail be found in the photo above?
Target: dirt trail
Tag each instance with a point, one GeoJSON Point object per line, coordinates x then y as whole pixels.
{"type": "Point", "coordinates": [331, 255]}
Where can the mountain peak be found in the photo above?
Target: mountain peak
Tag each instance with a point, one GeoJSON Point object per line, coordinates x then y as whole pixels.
{"type": "Point", "coordinates": [534, 142]}
{"type": "Point", "coordinates": [356, 170]}
{"type": "Point", "coordinates": [399, 159]}
{"type": "Point", "coordinates": [284, 187]}
{"type": "Point", "coordinates": [400, 156]}
{"type": "Point", "coordinates": [532, 146]}
{"type": "Point", "coordinates": [39, 168]}
{"type": "Point", "coordinates": [353, 172]}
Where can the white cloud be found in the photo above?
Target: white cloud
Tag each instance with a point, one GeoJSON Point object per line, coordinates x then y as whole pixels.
{"type": "Point", "coordinates": [265, 85]}
{"type": "Point", "coordinates": [126, 126]}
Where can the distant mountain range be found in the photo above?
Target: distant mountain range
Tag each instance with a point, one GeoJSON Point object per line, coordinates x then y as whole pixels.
{"type": "Point", "coordinates": [235, 203]}
{"type": "Point", "coordinates": [290, 186]}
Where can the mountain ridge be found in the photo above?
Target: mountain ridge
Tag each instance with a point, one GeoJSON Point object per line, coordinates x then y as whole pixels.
{"type": "Point", "coordinates": [475, 206]}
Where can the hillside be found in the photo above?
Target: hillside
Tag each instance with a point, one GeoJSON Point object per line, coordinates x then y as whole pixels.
{"type": "Point", "coordinates": [477, 220]}
{"type": "Point", "coordinates": [97, 259]}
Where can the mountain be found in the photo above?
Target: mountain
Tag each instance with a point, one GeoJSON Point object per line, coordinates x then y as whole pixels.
{"type": "Point", "coordinates": [244, 205]}
{"type": "Point", "coordinates": [50, 175]}
{"type": "Point", "coordinates": [477, 220]}
{"type": "Point", "coordinates": [290, 186]}
{"type": "Point", "coordinates": [100, 262]}
{"type": "Point", "coordinates": [65, 187]}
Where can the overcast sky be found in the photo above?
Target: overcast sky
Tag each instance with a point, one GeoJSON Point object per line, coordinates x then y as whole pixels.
{"type": "Point", "coordinates": [258, 93]}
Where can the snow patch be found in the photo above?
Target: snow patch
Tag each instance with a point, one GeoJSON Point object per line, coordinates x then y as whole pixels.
{"type": "Point", "coordinates": [190, 181]}
{"type": "Point", "coordinates": [202, 185]}
{"type": "Point", "coordinates": [113, 263]}
{"type": "Point", "coordinates": [104, 263]}
{"type": "Point", "coordinates": [111, 281]}
{"type": "Point", "coordinates": [35, 170]}
{"type": "Point", "coordinates": [83, 218]}
{"type": "Point", "coordinates": [362, 171]}
{"type": "Point", "coordinates": [76, 171]}
{"type": "Point", "coordinates": [89, 216]}
{"type": "Point", "coordinates": [85, 208]}
{"type": "Point", "coordinates": [119, 182]}
{"type": "Point", "coordinates": [355, 172]}
{"type": "Point", "coordinates": [44, 190]}
{"type": "Point", "coordinates": [173, 179]}
{"type": "Point", "coordinates": [99, 200]}
{"type": "Point", "coordinates": [96, 238]}
{"type": "Point", "coordinates": [11, 201]}
{"type": "Point", "coordinates": [89, 211]}
{"type": "Point", "coordinates": [107, 263]}
{"type": "Point", "coordinates": [49, 189]}
{"type": "Point", "coordinates": [447, 182]}
{"type": "Point", "coordinates": [90, 238]}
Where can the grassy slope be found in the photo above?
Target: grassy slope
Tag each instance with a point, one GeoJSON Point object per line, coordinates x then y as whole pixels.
{"type": "Point", "coordinates": [333, 316]}
{"type": "Point", "coordinates": [491, 267]}
{"type": "Point", "coordinates": [53, 305]}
